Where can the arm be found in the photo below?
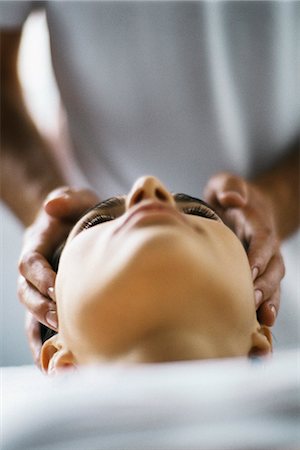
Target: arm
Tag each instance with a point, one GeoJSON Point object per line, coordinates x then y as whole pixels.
{"type": "Point", "coordinates": [27, 166]}
{"type": "Point", "coordinates": [28, 173]}
{"type": "Point", "coordinates": [281, 185]}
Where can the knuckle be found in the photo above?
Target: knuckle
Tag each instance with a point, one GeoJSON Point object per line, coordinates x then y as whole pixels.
{"type": "Point", "coordinates": [281, 265]}
{"type": "Point", "coordinates": [27, 260]}
{"type": "Point", "coordinates": [21, 265]}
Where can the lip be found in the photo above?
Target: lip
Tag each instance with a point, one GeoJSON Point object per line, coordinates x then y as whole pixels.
{"type": "Point", "coordinates": [148, 210]}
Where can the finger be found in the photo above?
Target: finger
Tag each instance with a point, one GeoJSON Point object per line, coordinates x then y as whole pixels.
{"type": "Point", "coordinates": [262, 245]}
{"type": "Point", "coordinates": [37, 270]}
{"type": "Point", "coordinates": [44, 239]}
{"type": "Point", "coordinates": [227, 191]}
{"type": "Point", "coordinates": [268, 311]}
{"type": "Point", "coordinates": [43, 309]}
{"type": "Point", "coordinates": [70, 203]}
{"type": "Point", "coordinates": [269, 281]}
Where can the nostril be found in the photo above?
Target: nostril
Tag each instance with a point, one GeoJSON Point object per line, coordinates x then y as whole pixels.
{"type": "Point", "coordinates": [138, 197]}
{"type": "Point", "coordinates": [160, 195]}
{"type": "Point", "coordinates": [149, 192]}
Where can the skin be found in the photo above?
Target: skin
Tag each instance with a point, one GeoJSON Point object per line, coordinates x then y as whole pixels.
{"type": "Point", "coordinates": [261, 211]}
{"type": "Point", "coordinates": [155, 284]}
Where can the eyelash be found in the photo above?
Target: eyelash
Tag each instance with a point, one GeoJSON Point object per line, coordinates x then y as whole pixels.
{"type": "Point", "coordinates": [201, 211]}
{"type": "Point", "coordinates": [95, 220]}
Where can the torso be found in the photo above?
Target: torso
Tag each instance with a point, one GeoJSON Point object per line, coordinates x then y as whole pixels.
{"type": "Point", "coordinates": [178, 90]}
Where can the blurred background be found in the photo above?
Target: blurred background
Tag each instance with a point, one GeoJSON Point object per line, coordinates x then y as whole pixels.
{"type": "Point", "coordinates": [44, 104]}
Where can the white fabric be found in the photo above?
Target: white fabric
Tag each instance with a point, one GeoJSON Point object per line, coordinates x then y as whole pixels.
{"type": "Point", "coordinates": [210, 405]}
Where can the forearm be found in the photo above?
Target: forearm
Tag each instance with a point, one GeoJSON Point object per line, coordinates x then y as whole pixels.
{"type": "Point", "coordinates": [28, 169]}
{"type": "Point", "coordinates": [282, 187]}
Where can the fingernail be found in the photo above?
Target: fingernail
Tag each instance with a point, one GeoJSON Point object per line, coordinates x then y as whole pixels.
{"type": "Point", "coordinates": [258, 296]}
{"type": "Point", "coordinates": [51, 293]}
{"type": "Point", "coordinates": [254, 273]}
{"type": "Point", "coordinates": [273, 309]}
{"type": "Point", "coordinates": [65, 196]}
{"type": "Point", "coordinates": [51, 318]}
{"type": "Point", "coordinates": [54, 196]}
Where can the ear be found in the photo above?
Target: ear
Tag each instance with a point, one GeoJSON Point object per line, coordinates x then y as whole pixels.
{"type": "Point", "coordinates": [55, 356]}
{"type": "Point", "coordinates": [261, 342]}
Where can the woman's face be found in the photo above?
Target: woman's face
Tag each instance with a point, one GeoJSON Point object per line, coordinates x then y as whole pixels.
{"type": "Point", "coordinates": [154, 276]}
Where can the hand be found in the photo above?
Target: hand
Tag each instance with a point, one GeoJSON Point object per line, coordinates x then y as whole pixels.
{"type": "Point", "coordinates": [60, 211]}
{"type": "Point", "coordinates": [248, 212]}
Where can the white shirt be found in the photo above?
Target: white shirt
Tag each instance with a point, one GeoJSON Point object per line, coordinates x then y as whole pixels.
{"type": "Point", "coordinates": [180, 90]}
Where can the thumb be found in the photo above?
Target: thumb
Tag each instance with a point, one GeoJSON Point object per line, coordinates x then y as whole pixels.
{"type": "Point", "coordinates": [226, 190]}
{"type": "Point", "coordinates": [67, 203]}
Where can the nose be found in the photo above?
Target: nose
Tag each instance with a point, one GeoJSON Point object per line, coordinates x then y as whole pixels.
{"type": "Point", "coordinates": [148, 188]}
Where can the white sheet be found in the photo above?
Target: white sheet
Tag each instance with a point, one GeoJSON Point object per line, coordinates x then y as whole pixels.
{"type": "Point", "coordinates": [212, 405]}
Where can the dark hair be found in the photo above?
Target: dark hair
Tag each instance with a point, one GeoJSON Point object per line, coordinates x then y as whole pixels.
{"type": "Point", "coordinates": [46, 333]}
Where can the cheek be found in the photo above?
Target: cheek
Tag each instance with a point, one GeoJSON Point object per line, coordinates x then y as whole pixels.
{"type": "Point", "coordinates": [223, 260]}
{"type": "Point", "coordinates": [81, 262]}
{"type": "Point", "coordinates": [219, 241]}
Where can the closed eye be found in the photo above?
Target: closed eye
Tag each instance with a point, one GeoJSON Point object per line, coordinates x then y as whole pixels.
{"type": "Point", "coordinates": [103, 212]}
{"type": "Point", "coordinates": [95, 219]}
{"type": "Point", "coordinates": [195, 206]}
{"type": "Point", "coordinates": [201, 211]}
{"type": "Point", "coordinates": [115, 207]}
